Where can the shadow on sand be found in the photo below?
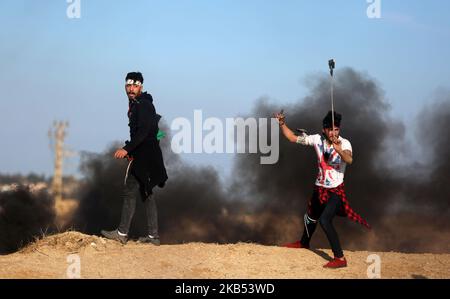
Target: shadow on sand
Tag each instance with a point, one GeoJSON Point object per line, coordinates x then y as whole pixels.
{"type": "Point", "coordinates": [322, 254]}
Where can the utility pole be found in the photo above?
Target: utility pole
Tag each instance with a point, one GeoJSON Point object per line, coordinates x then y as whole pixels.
{"type": "Point", "coordinates": [58, 133]}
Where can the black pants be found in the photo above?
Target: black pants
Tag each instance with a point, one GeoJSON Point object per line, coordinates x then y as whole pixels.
{"type": "Point", "coordinates": [131, 192]}
{"type": "Point", "coordinates": [326, 222]}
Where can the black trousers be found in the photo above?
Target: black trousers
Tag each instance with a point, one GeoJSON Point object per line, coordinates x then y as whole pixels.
{"type": "Point", "coordinates": [327, 214]}
{"type": "Point", "coordinates": [131, 192]}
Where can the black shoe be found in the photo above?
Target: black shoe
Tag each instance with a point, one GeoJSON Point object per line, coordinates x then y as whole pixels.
{"type": "Point", "coordinates": [114, 235]}
{"type": "Point", "coordinates": [148, 239]}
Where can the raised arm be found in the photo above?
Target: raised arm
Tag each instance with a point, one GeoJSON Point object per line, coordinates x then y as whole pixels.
{"type": "Point", "coordinates": [284, 128]}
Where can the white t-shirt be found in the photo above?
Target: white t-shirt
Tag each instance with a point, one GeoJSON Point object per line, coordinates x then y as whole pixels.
{"type": "Point", "coordinates": [331, 171]}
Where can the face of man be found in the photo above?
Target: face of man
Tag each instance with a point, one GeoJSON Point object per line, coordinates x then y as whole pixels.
{"type": "Point", "coordinates": [133, 90]}
{"type": "Point", "coordinates": [329, 133]}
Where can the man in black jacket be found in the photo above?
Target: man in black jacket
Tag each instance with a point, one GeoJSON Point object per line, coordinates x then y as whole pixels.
{"type": "Point", "coordinates": [146, 166]}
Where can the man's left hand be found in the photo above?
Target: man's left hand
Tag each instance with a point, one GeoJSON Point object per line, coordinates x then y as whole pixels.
{"type": "Point", "coordinates": [120, 153]}
{"type": "Point", "coordinates": [337, 144]}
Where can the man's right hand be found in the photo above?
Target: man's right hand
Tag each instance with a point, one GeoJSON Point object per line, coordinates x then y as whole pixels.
{"type": "Point", "coordinates": [284, 128]}
{"type": "Point", "coordinates": [120, 153]}
{"type": "Point", "coordinates": [280, 117]}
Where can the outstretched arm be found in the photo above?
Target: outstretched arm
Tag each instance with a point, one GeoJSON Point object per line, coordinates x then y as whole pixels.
{"type": "Point", "coordinates": [284, 128]}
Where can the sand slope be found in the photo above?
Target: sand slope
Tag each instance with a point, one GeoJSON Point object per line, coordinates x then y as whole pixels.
{"type": "Point", "coordinates": [101, 258]}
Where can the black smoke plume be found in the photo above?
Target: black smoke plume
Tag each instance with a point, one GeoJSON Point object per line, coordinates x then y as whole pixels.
{"type": "Point", "coordinates": [24, 216]}
{"type": "Point", "coordinates": [408, 212]}
{"type": "Point", "coordinates": [191, 207]}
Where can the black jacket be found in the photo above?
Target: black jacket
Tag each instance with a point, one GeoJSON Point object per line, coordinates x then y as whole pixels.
{"type": "Point", "coordinates": [148, 165]}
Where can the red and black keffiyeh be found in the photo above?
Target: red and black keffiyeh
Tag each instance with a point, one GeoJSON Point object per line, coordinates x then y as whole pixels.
{"type": "Point", "coordinates": [322, 194]}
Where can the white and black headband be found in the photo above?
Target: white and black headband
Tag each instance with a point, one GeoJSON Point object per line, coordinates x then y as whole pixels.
{"type": "Point", "coordinates": [133, 82]}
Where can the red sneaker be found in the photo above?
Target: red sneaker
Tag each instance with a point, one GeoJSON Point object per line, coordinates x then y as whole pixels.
{"type": "Point", "coordinates": [336, 263]}
{"type": "Point", "coordinates": [296, 244]}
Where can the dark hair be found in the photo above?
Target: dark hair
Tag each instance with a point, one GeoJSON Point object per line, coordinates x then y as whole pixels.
{"type": "Point", "coordinates": [328, 121]}
{"type": "Point", "coordinates": [136, 76]}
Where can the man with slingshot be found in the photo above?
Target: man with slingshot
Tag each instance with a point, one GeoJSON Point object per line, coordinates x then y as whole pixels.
{"type": "Point", "coordinates": [329, 199]}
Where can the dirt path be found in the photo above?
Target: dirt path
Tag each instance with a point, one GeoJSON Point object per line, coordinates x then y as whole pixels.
{"type": "Point", "coordinates": [100, 258]}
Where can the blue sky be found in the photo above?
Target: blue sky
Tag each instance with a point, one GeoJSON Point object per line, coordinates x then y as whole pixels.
{"type": "Point", "coordinates": [217, 55]}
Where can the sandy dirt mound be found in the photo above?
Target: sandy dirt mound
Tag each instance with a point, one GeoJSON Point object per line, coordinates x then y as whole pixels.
{"type": "Point", "coordinates": [101, 258]}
